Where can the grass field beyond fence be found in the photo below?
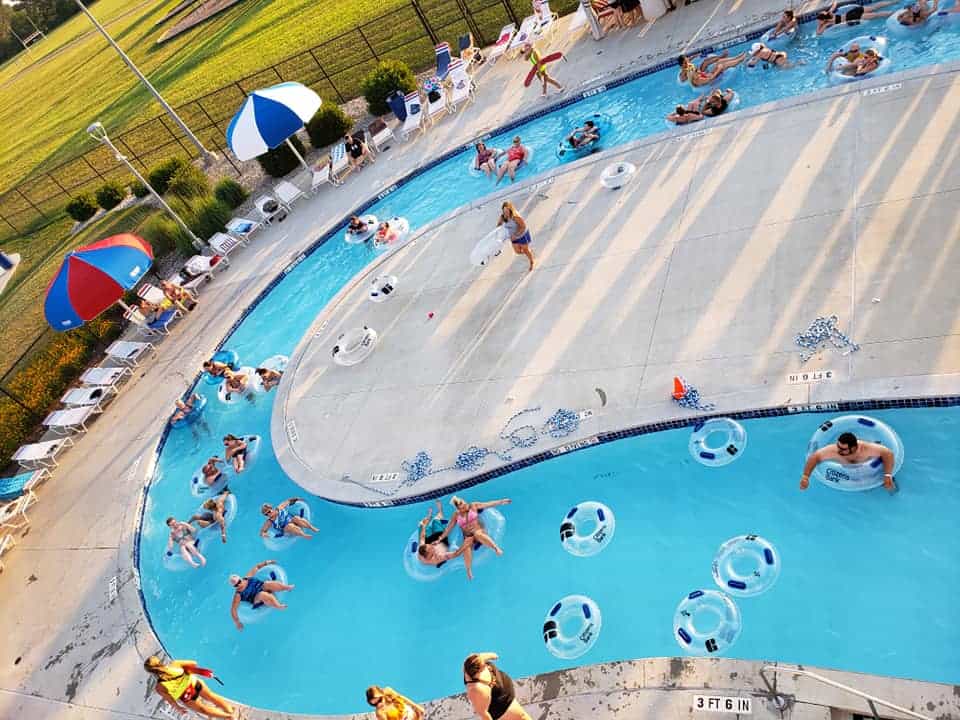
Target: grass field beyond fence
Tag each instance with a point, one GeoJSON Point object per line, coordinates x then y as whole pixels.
{"type": "Point", "coordinates": [329, 46]}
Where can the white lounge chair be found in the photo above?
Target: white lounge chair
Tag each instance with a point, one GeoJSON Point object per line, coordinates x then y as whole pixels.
{"type": "Point", "coordinates": [199, 268]}
{"type": "Point", "coordinates": [462, 89]}
{"type": "Point", "coordinates": [243, 228]}
{"type": "Point", "coordinates": [13, 515]}
{"type": "Point", "coordinates": [268, 208]}
{"type": "Point", "coordinates": [70, 420]}
{"type": "Point", "coordinates": [105, 376]}
{"type": "Point", "coordinates": [41, 454]}
{"type": "Point", "coordinates": [415, 114]}
{"type": "Point", "coordinates": [151, 293]}
{"type": "Point", "coordinates": [88, 396]}
{"type": "Point", "coordinates": [287, 193]}
{"type": "Point", "coordinates": [322, 176]}
{"type": "Point", "coordinates": [528, 32]}
{"type": "Point", "coordinates": [7, 543]}
{"type": "Point", "coordinates": [503, 42]}
{"type": "Point", "coordinates": [547, 20]}
{"type": "Point", "coordinates": [129, 352]}
{"type": "Point", "coordinates": [378, 135]}
{"type": "Point", "coordinates": [224, 244]}
{"type": "Point", "coordinates": [437, 108]}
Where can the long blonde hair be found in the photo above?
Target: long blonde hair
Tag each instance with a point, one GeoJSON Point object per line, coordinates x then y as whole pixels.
{"type": "Point", "coordinates": [507, 205]}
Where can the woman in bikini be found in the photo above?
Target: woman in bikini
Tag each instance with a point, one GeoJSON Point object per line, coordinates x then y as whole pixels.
{"type": "Point", "coordinates": [490, 690]}
{"type": "Point", "coordinates": [433, 546]}
{"type": "Point", "coordinates": [710, 69]}
{"type": "Point", "coordinates": [257, 592]}
{"type": "Point", "coordinates": [182, 537]}
{"type": "Point", "coordinates": [181, 690]}
{"type": "Point", "coordinates": [391, 705]}
{"type": "Point", "coordinates": [467, 518]}
{"type": "Point", "coordinates": [235, 450]}
{"type": "Point", "coordinates": [852, 16]}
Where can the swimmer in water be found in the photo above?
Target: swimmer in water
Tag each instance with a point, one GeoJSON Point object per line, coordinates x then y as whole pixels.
{"type": "Point", "coordinates": [212, 513]}
{"type": "Point", "coordinates": [257, 592]}
{"type": "Point", "coordinates": [283, 522]}
{"type": "Point", "coordinates": [211, 473]}
{"type": "Point", "coordinates": [918, 13]}
{"type": "Point", "coordinates": [269, 379]}
{"type": "Point", "coordinates": [853, 16]}
{"type": "Point", "coordinates": [184, 408]}
{"type": "Point", "coordinates": [235, 450]}
{"type": "Point", "coordinates": [850, 451]}
{"type": "Point", "coordinates": [467, 518]}
{"type": "Point", "coordinates": [710, 69]}
{"type": "Point", "coordinates": [434, 549]}
{"type": "Point", "coordinates": [786, 23]}
{"type": "Point", "coordinates": [182, 535]}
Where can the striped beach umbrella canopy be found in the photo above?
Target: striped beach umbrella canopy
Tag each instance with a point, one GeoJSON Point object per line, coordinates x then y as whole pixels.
{"type": "Point", "coordinates": [94, 277]}
{"type": "Point", "coordinates": [270, 116]}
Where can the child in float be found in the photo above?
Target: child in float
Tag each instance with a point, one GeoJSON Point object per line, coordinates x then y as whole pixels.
{"type": "Point", "coordinates": [391, 705]}
{"type": "Point", "coordinates": [540, 68]}
{"type": "Point", "coordinates": [181, 689]}
{"type": "Point", "coordinates": [584, 135]}
{"type": "Point", "coordinates": [182, 536]}
{"type": "Point", "coordinates": [236, 382]}
{"type": "Point", "coordinates": [216, 368]}
{"type": "Point", "coordinates": [918, 13]}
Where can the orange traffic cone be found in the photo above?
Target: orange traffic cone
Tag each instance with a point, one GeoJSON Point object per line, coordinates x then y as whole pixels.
{"type": "Point", "coordinates": [679, 390]}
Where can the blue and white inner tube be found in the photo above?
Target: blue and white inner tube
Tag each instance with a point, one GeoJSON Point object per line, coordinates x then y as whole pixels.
{"type": "Point", "coordinates": [495, 525]}
{"type": "Point", "coordinates": [474, 168]}
{"type": "Point", "coordinates": [866, 42]}
{"type": "Point", "coordinates": [780, 41]}
{"type": "Point", "coordinates": [173, 560]}
{"type": "Point", "coordinates": [232, 398]}
{"type": "Point", "coordinates": [604, 125]}
{"type": "Point", "coordinates": [706, 622]}
{"type": "Point", "coordinates": [855, 477]}
{"type": "Point", "coordinates": [227, 357]}
{"type": "Point", "coordinates": [193, 415]}
{"type": "Point", "coordinates": [920, 30]}
{"type": "Point", "coordinates": [357, 238]}
{"type": "Point", "coordinates": [746, 565]}
{"type": "Point", "coordinates": [255, 613]}
{"type": "Point", "coordinates": [277, 363]}
{"type": "Point", "coordinates": [587, 528]}
{"type": "Point", "coordinates": [717, 442]}
{"type": "Point", "coordinates": [198, 488]}
{"type": "Point", "coordinates": [398, 235]}
{"type": "Point", "coordinates": [279, 540]}
{"type": "Point", "coordinates": [572, 627]}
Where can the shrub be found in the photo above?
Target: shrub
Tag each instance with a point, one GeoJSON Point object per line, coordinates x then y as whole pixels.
{"type": "Point", "coordinates": [109, 195]}
{"type": "Point", "coordinates": [164, 234]}
{"type": "Point", "coordinates": [388, 76]}
{"type": "Point", "coordinates": [281, 161]}
{"type": "Point", "coordinates": [205, 216]}
{"type": "Point", "coordinates": [82, 208]}
{"type": "Point", "coordinates": [230, 193]}
{"type": "Point", "coordinates": [45, 376]}
{"type": "Point", "coordinates": [159, 177]}
{"type": "Point", "coordinates": [328, 125]}
{"type": "Point", "coordinates": [189, 182]}
{"type": "Point", "coordinates": [138, 189]}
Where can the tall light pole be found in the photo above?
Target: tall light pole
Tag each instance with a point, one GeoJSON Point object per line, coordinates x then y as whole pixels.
{"type": "Point", "coordinates": [204, 153]}
{"type": "Point", "coordinates": [99, 133]}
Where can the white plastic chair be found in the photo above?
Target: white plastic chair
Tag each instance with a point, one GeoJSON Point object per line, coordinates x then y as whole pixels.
{"type": "Point", "coordinates": [88, 396]}
{"type": "Point", "coordinates": [224, 244]}
{"type": "Point", "coordinates": [151, 293]}
{"type": "Point", "coordinates": [41, 454]}
{"type": "Point", "coordinates": [528, 32]}
{"type": "Point", "coordinates": [462, 88]}
{"type": "Point", "coordinates": [437, 107]}
{"type": "Point", "coordinates": [340, 165]}
{"type": "Point", "coordinates": [322, 176]}
{"type": "Point", "coordinates": [129, 352]}
{"type": "Point", "coordinates": [547, 20]}
{"type": "Point", "coordinates": [243, 228]}
{"type": "Point", "coordinates": [69, 421]}
{"type": "Point", "coordinates": [503, 42]}
{"type": "Point", "coordinates": [287, 193]}
{"type": "Point", "coordinates": [415, 114]}
{"type": "Point", "coordinates": [261, 204]}
{"type": "Point", "coordinates": [378, 135]}
{"type": "Point", "coordinates": [105, 376]}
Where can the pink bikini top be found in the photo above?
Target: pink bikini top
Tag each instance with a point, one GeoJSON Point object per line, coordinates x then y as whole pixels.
{"type": "Point", "coordinates": [469, 520]}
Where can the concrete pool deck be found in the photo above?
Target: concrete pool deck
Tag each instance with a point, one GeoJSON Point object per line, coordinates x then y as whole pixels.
{"type": "Point", "coordinates": [74, 630]}
{"type": "Point", "coordinates": [731, 239]}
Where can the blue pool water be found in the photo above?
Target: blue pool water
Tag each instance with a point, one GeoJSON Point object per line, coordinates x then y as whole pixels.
{"type": "Point", "coordinates": [865, 580]}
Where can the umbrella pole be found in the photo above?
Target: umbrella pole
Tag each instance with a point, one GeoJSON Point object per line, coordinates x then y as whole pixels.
{"type": "Point", "coordinates": [298, 155]}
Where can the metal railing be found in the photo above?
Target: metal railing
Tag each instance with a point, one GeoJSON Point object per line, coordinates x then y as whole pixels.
{"type": "Point", "coordinates": [872, 700]}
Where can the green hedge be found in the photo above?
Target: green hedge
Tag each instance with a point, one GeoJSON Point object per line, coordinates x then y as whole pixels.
{"type": "Point", "coordinates": [109, 195]}
{"type": "Point", "coordinates": [188, 182]}
{"type": "Point", "coordinates": [387, 77]}
{"type": "Point", "coordinates": [82, 208]}
{"type": "Point", "coordinates": [281, 161]}
{"type": "Point", "coordinates": [230, 192]}
{"type": "Point", "coordinates": [159, 177]}
{"type": "Point", "coordinates": [328, 126]}
{"type": "Point", "coordinates": [45, 376]}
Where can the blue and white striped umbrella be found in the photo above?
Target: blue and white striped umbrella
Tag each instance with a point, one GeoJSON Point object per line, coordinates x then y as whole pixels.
{"type": "Point", "coordinates": [269, 116]}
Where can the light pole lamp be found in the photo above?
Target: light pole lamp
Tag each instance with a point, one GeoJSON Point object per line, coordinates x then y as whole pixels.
{"type": "Point", "coordinates": [207, 156]}
{"type": "Point", "coordinates": [99, 133]}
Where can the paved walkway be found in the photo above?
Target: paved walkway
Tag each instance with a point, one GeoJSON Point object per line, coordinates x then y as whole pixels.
{"type": "Point", "coordinates": [74, 634]}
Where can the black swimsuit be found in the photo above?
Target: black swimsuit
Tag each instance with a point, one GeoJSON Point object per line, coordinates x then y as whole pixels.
{"type": "Point", "coordinates": [502, 693]}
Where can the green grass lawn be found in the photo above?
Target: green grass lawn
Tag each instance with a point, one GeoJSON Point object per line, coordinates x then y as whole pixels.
{"type": "Point", "coordinates": [21, 304]}
{"type": "Point", "coordinates": [79, 78]}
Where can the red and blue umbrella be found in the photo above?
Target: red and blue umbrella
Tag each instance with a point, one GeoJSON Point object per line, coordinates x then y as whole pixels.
{"type": "Point", "coordinates": [94, 277]}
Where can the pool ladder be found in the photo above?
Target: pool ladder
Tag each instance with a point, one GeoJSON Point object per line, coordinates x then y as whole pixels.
{"type": "Point", "coordinates": [782, 701]}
